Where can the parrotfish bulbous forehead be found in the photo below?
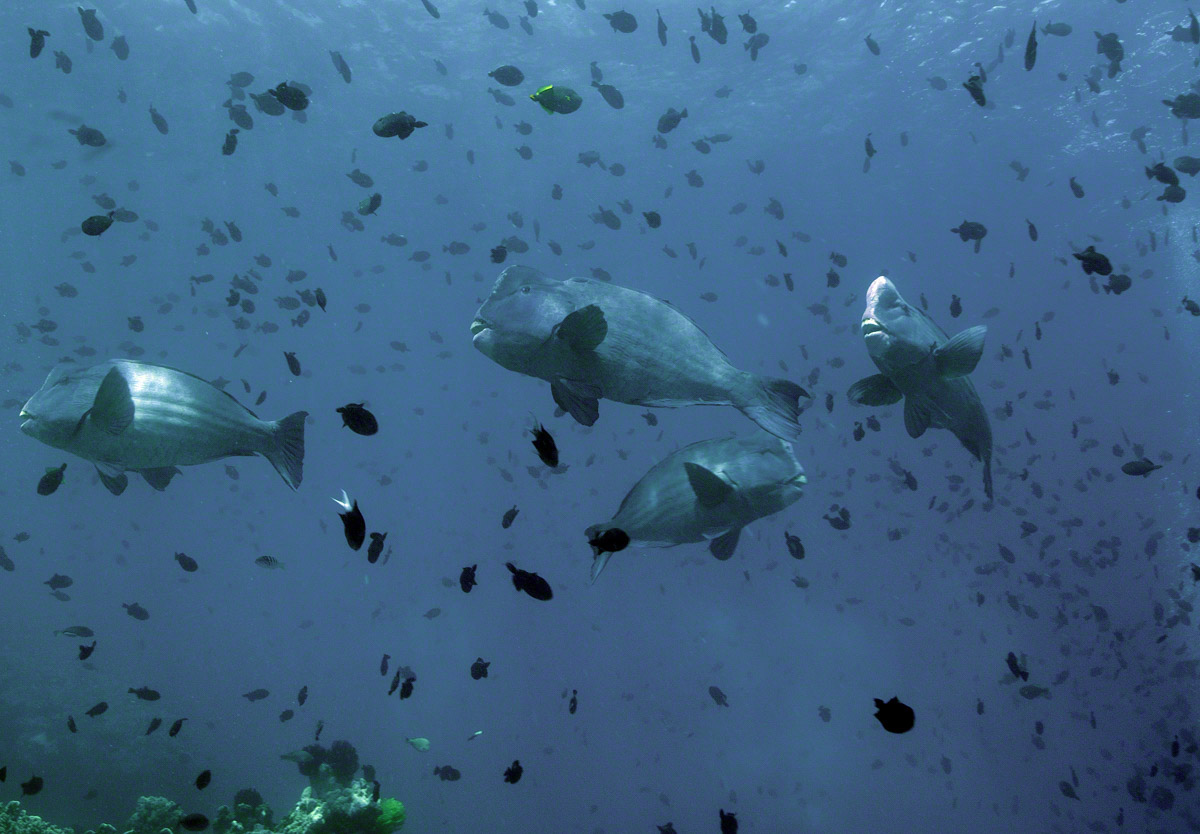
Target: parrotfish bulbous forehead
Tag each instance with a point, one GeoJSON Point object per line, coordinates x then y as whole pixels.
{"type": "Point", "coordinates": [881, 295]}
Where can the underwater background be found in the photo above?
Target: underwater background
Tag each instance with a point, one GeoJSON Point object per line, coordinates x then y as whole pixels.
{"type": "Point", "coordinates": [1079, 569]}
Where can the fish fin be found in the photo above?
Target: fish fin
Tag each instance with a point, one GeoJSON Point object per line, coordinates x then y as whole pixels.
{"type": "Point", "coordinates": [160, 477]}
{"type": "Point", "coordinates": [112, 410]}
{"type": "Point", "coordinates": [775, 406]}
{"type": "Point", "coordinates": [959, 356]}
{"type": "Point", "coordinates": [598, 563]}
{"type": "Point", "coordinates": [987, 489]}
{"type": "Point", "coordinates": [875, 390]}
{"type": "Point", "coordinates": [710, 489]}
{"type": "Point", "coordinates": [113, 479]}
{"type": "Point", "coordinates": [723, 546]}
{"type": "Point", "coordinates": [584, 329]}
{"type": "Point", "coordinates": [578, 399]}
{"type": "Point", "coordinates": [916, 417]}
{"type": "Point", "coordinates": [286, 449]}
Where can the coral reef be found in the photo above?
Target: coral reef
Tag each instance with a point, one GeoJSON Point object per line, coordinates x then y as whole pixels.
{"type": "Point", "coordinates": [152, 814]}
{"type": "Point", "coordinates": [327, 807]}
{"type": "Point", "coordinates": [249, 813]}
{"type": "Point", "coordinates": [15, 820]}
{"type": "Point", "coordinates": [348, 809]}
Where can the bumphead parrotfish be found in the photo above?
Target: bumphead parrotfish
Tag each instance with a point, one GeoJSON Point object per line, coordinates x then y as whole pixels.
{"type": "Point", "coordinates": [920, 364]}
{"type": "Point", "coordinates": [708, 490]}
{"type": "Point", "coordinates": [593, 340]}
{"type": "Point", "coordinates": [124, 415]}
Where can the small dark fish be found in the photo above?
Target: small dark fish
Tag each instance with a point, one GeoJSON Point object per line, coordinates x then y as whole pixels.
{"type": "Point", "coordinates": [187, 562]}
{"type": "Point", "coordinates": [1076, 188]}
{"type": "Point", "coordinates": [479, 669]}
{"type": "Point", "coordinates": [718, 696]}
{"type": "Point", "coordinates": [256, 695]}
{"type": "Point", "coordinates": [268, 562]}
{"type": "Point", "coordinates": [612, 540]}
{"type": "Point", "coordinates": [1015, 667]}
{"type": "Point", "coordinates": [383, 665]}
{"type": "Point", "coordinates": [447, 773]}
{"type": "Point", "coordinates": [37, 41]}
{"type": "Point", "coordinates": [1141, 467]}
{"type": "Point", "coordinates": [302, 695]}
{"type": "Point", "coordinates": [86, 651]}
{"type": "Point", "coordinates": [499, 253]}
{"type": "Point", "coordinates": [530, 583]}
{"type": "Point", "coordinates": [512, 773]}
{"type": "Point", "coordinates": [353, 523]}
{"type": "Point", "coordinates": [136, 611]}
{"type": "Point", "coordinates": [286, 715]}
{"type": "Point", "coordinates": [92, 26]}
{"type": "Point", "coordinates": [395, 683]}
{"type": "Point", "coordinates": [573, 704]}
{"type": "Point", "coordinates": [51, 481]}
{"type": "Point", "coordinates": [339, 64]}
{"type": "Point", "coordinates": [871, 45]}
{"type": "Point", "coordinates": [99, 709]}
{"type": "Point", "coordinates": [895, 716]}
{"type": "Point", "coordinates": [1033, 233]}
{"type": "Point", "coordinates": [406, 688]}
{"type": "Point", "coordinates": [71, 724]}
{"type": "Point", "coordinates": [230, 143]}
{"type": "Point", "coordinates": [466, 579]}
{"type": "Point", "coordinates": [375, 549]}
{"type": "Point", "coordinates": [1093, 262]}
{"type": "Point", "coordinates": [59, 580]}
{"type": "Point", "coordinates": [290, 96]}
{"type": "Point", "coordinates": [356, 418]}
{"type": "Point", "coordinates": [510, 515]}
{"type": "Point", "coordinates": [33, 786]}
{"type": "Point", "coordinates": [145, 693]}
{"type": "Point", "coordinates": [97, 224]}
{"type": "Point", "coordinates": [728, 819]}
{"type": "Point", "coordinates": [155, 723]}
{"type": "Point", "coordinates": [1031, 48]}
{"type": "Point", "coordinates": [794, 545]}
{"type": "Point", "coordinates": [203, 779]}
{"type": "Point", "coordinates": [293, 363]}
{"type": "Point", "coordinates": [194, 822]}
{"type": "Point", "coordinates": [544, 444]}
{"type": "Point", "coordinates": [508, 75]}
{"type": "Point", "coordinates": [176, 727]}
{"type": "Point", "coordinates": [320, 727]}
{"type": "Point", "coordinates": [974, 86]}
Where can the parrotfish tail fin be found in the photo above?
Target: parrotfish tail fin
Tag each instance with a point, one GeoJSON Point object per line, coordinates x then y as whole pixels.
{"type": "Point", "coordinates": [599, 557]}
{"type": "Point", "coordinates": [598, 563]}
{"type": "Point", "coordinates": [775, 405]}
{"type": "Point", "coordinates": [286, 449]}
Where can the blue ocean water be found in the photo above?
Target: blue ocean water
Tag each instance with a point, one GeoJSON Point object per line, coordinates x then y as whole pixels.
{"type": "Point", "coordinates": [1079, 569]}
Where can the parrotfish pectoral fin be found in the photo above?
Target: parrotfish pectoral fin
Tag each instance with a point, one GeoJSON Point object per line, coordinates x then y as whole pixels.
{"type": "Point", "coordinates": [875, 390]}
{"type": "Point", "coordinates": [916, 417]}
{"type": "Point", "coordinates": [584, 329]}
{"type": "Point", "coordinates": [160, 478]}
{"type": "Point", "coordinates": [113, 479]}
{"type": "Point", "coordinates": [286, 449]}
{"type": "Point", "coordinates": [112, 410]}
{"type": "Point", "coordinates": [774, 404]}
{"type": "Point", "coordinates": [724, 546]}
{"type": "Point", "coordinates": [578, 399]}
{"type": "Point", "coordinates": [959, 356]}
{"type": "Point", "coordinates": [709, 487]}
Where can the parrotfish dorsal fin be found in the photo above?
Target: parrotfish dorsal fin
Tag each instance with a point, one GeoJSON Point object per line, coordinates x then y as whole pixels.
{"type": "Point", "coordinates": [112, 410]}
{"type": "Point", "coordinates": [710, 489]}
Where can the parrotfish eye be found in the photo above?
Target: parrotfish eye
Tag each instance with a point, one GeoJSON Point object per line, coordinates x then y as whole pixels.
{"type": "Point", "coordinates": [525, 288]}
